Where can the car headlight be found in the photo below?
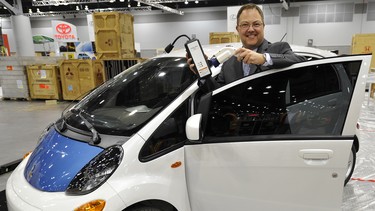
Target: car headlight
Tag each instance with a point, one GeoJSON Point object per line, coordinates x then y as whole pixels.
{"type": "Point", "coordinates": [96, 172]}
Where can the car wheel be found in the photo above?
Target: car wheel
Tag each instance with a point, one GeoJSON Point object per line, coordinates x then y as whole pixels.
{"type": "Point", "coordinates": [351, 165]}
{"type": "Point", "coordinates": [145, 209]}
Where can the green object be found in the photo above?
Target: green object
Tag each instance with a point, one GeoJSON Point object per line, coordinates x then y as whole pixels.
{"type": "Point", "coordinates": [40, 39]}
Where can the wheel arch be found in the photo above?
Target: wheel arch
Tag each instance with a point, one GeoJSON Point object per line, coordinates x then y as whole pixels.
{"type": "Point", "coordinates": [356, 143]}
{"type": "Point", "coordinates": [152, 203]}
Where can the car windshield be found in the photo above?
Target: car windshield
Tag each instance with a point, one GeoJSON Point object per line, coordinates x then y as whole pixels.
{"type": "Point", "coordinates": [122, 105]}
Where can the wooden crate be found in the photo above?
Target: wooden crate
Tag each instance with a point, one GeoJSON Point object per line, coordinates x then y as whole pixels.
{"type": "Point", "coordinates": [114, 35]}
{"type": "Point", "coordinates": [365, 44]}
{"type": "Point", "coordinates": [114, 67]}
{"type": "Point", "coordinates": [44, 82]}
{"type": "Point", "coordinates": [80, 76]}
{"type": "Point", "coordinates": [223, 37]}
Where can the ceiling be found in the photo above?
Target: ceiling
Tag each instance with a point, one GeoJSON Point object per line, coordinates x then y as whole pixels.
{"type": "Point", "coordinates": [46, 7]}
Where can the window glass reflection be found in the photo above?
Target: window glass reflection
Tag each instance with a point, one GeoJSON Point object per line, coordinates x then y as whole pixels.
{"type": "Point", "coordinates": [311, 100]}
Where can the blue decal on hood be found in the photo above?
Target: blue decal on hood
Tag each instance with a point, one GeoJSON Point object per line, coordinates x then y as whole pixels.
{"type": "Point", "coordinates": [56, 160]}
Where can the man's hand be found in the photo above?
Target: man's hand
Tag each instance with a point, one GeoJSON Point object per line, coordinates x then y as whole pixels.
{"type": "Point", "coordinates": [191, 63]}
{"type": "Point", "coordinates": [250, 57]}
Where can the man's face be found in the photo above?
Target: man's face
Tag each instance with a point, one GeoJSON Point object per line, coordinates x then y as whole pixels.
{"type": "Point", "coordinates": [250, 28]}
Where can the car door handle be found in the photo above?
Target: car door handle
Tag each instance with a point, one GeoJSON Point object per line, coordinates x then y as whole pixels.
{"type": "Point", "coordinates": [316, 154]}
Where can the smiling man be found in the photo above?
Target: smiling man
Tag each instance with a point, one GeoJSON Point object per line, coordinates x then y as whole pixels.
{"type": "Point", "coordinates": [257, 54]}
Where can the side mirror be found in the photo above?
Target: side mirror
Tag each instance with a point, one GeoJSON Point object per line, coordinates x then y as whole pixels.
{"type": "Point", "coordinates": [193, 127]}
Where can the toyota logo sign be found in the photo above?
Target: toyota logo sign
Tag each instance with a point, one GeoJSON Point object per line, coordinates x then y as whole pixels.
{"type": "Point", "coordinates": [63, 31]}
{"type": "Point", "coordinates": [63, 28]}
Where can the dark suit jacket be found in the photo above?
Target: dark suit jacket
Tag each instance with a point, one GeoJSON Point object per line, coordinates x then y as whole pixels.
{"type": "Point", "coordinates": [281, 56]}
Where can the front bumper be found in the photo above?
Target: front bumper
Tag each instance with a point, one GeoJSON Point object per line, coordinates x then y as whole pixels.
{"type": "Point", "coordinates": [22, 196]}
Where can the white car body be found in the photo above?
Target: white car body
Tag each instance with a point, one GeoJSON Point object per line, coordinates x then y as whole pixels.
{"type": "Point", "coordinates": [281, 174]}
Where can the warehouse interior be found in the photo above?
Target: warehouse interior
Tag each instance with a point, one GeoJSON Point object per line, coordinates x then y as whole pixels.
{"type": "Point", "coordinates": [28, 104]}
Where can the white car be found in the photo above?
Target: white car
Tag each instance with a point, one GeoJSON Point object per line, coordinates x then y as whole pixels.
{"type": "Point", "coordinates": [151, 139]}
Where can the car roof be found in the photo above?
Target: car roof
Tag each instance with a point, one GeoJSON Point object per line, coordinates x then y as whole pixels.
{"type": "Point", "coordinates": [211, 49]}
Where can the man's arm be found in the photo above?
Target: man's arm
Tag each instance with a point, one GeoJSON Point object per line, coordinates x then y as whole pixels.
{"type": "Point", "coordinates": [282, 55]}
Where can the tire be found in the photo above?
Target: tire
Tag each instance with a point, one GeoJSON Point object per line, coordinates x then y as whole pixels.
{"type": "Point", "coordinates": [144, 209]}
{"type": "Point", "coordinates": [351, 165]}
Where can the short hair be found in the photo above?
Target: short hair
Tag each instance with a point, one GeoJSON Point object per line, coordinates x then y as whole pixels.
{"type": "Point", "coordinates": [249, 7]}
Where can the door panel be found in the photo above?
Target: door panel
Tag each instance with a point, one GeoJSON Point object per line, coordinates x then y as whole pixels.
{"type": "Point", "coordinates": [279, 139]}
{"type": "Point", "coordinates": [267, 175]}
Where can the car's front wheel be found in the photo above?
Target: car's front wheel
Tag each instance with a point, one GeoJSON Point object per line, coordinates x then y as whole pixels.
{"type": "Point", "coordinates": [145, 209]}
{"type": "Point", "coordinates": [351, 165]}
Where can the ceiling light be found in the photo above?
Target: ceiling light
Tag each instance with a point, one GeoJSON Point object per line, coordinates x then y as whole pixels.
{"type": "Point", "coordinates": [196, 1]}
{"type": "Point", "coordinates": [138, 4]}
{"type": "Point", "coordinates": [285, 4]}
{"type": "Point", "coordinates": [37, 10]}
{"type": "Point", "coordinates": [77, 8]}
{"type": "Point", "coordinates": [86, 7]}
{"type": "Point", "coordinates": [122, 0]}
{"type": "Point", "coordinates": [30, 11]}
{"type": "Point", "coordinates": [129, 4]}
{"type": "Point", "coordinates": [186, 2]}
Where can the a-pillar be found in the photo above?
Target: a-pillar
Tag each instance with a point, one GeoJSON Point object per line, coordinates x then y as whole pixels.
{"type": "Point", "coordinates": [23, 35]}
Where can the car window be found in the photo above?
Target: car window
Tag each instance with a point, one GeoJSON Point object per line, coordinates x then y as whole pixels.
{"type": "Point", "coordinates": [168, 136]}
{"type": "Point", "coordinates": [310, 100]}
{"type": "Point", "coordinates": [126, 103]}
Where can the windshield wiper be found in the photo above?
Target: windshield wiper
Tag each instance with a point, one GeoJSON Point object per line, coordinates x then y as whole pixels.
{"type": "Point", "coordinates": [95, 135]}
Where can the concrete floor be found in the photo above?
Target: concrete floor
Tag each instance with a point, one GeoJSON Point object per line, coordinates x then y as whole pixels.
{"type": "Point", "coordinates": [22, 121]}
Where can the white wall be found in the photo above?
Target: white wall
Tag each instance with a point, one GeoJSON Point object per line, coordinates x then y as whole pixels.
{"type": "Point", "coordinates": [159, 35]}
{"type": "Point", "coordinates": [156, 30]}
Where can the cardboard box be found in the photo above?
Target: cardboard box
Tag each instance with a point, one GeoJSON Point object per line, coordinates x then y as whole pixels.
{"type": "Point", "coordinates": [223, 37]}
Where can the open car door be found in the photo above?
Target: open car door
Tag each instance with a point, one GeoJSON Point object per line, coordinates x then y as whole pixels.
{"type": "Point", "coordinates": [278, 140]}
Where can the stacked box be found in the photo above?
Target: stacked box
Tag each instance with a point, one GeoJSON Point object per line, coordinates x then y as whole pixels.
{"type": "Point", "coordinates": [114, 35]}
{"type": "Point", "coordinates": [223, 37]}
{"type": "Point", "coordinates": [365, 44]}
{"type": "Point", "coordinates": [80, 76]}
{"type": "Point", "coordinates": [44, 82]}
{"type": "Point", "coordinates": [13, 80]}
{"type": "Point", "coordinates": [114, 67]}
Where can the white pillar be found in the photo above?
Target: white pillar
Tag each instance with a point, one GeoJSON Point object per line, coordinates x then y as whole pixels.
{"type": "Point", "coordinates": [23, 35]}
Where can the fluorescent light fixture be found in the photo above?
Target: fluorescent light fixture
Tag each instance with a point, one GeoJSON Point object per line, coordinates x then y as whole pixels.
{"type": "Point", "coordinates": [162, 7]}
{"type": "Point", "coordinates": [285, 4]}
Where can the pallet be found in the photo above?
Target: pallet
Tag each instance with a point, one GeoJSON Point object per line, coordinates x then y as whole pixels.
{"type": "Point", "coordinates": [16, 98]}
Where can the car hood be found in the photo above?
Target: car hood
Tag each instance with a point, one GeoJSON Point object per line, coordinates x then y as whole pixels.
{"type": "Point", "coordinates": [56, 160]}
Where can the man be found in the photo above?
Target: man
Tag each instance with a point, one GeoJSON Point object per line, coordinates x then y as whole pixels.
{"type": "Point", "coordinates": [257, 54]}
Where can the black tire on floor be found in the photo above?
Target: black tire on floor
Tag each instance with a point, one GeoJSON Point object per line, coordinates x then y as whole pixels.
{"type": "Point", "coordinates": [351, 165]}
{"type": "Point", "coordinates": [144, 209]}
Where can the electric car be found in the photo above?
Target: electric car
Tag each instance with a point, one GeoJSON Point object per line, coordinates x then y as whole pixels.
{"type": "Point", "coordinates": [155, 138]}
